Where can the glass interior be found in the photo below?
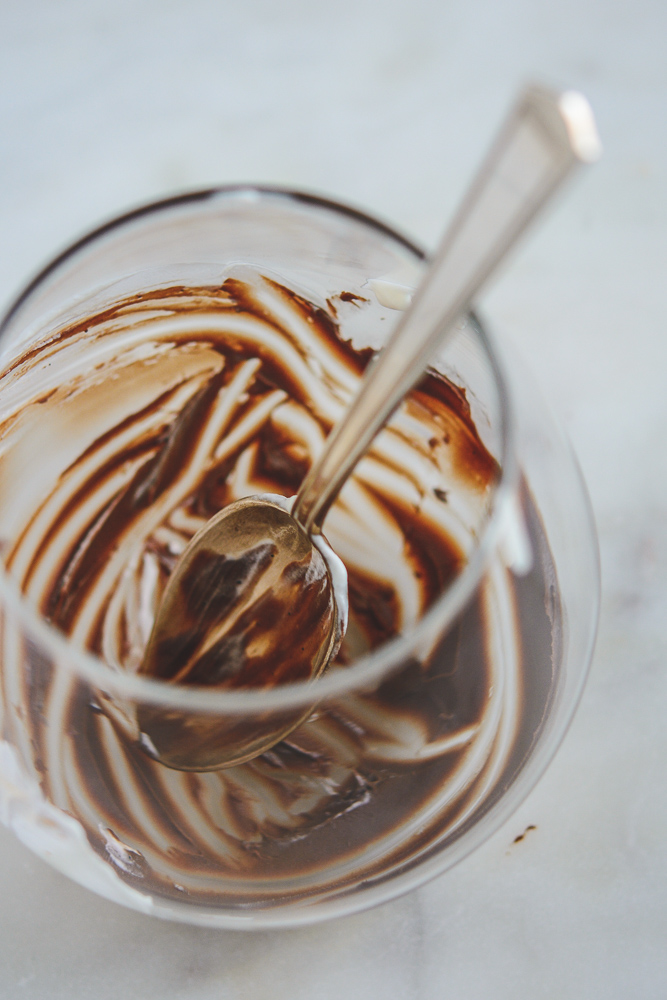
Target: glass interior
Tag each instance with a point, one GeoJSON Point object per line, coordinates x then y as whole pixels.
{"type": "Point", "coordinates": [416, 747]}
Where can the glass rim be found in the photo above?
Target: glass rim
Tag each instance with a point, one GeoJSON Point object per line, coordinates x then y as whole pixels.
{"type": "Point", "coordinates": [368, 669]}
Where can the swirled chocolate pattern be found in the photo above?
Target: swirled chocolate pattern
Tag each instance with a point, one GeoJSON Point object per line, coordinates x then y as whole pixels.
{"type": "Point", "coordinates": [120, 437]}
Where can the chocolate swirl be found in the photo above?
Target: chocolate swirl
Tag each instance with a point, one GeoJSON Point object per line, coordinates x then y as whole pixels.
{"type": "Point", "coordinates": [152, 415]}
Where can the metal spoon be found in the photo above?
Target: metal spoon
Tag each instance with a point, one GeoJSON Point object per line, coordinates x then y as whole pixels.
{"type": "Point", "coordinates": [261, 563]}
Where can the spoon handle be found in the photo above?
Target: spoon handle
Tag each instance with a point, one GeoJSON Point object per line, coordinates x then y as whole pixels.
{"type": "Point", "coordinates": [545, 135]}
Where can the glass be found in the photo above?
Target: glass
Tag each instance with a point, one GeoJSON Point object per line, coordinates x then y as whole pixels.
{"type": "Point", "coordinates": [411, 754]}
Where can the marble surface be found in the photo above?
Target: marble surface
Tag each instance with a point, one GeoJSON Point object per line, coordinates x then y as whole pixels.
{"type": "Point", "coordinates": [388, 105]}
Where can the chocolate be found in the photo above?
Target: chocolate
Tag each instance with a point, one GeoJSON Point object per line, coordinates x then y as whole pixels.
{"type": "Point", "coordinates": [201, 396]}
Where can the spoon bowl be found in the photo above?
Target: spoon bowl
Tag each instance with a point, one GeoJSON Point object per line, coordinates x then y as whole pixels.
{"type": "Point", "coordinates": [254, 604]}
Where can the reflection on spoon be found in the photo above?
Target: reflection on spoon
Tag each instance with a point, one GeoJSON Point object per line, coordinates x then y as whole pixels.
{"type": "Point", "coordinates": [249, 585]}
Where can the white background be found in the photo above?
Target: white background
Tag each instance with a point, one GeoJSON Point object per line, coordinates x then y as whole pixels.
{"type": "Point", "coordinates": [389, 105]}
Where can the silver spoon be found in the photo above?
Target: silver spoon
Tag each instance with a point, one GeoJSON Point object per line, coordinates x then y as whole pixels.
{"type": "Point", "coordinates": [261, 557]}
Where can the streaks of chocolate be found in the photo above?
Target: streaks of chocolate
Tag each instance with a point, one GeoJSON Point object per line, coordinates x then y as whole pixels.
{"type": "Point", "coordinates": [321, 810]}
{"type": "Point", "coordinates": [351, 297]}
{"type": "Point", "coordinates": [149, 483]}
{"type": "Point", "coordinates": [323, 324]}
{"type": "Point", "coordinates": [457, 428]}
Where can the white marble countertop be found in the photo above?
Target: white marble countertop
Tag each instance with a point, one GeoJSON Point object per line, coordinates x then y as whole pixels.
{"type": "Point", "coordinates": [388, 105]}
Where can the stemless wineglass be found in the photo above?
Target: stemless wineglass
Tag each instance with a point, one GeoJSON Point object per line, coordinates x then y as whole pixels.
{"type": "Point", "coordinates": [414, 751]}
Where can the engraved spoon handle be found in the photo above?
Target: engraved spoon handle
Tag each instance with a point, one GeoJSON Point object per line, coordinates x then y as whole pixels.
{"type": "Point", "coordinates": [545, 135]}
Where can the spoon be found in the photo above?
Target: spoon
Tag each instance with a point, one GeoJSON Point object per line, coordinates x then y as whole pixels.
{"type": "Point", "coordinates": [258, 597]}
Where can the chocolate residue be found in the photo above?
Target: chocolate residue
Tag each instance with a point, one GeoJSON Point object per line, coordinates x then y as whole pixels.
{"type": "Point", "coordinates": [351, 297]}
{"type": "Point", "coordinates": [216, 395]}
